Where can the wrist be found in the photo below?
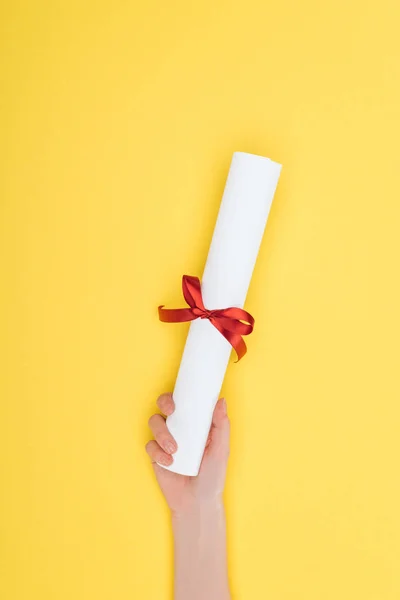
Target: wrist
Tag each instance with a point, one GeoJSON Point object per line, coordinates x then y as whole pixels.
{"type": "Point", "coordinates": [200, 551]}
{"type": "Point", "coordinates": [204, 508]}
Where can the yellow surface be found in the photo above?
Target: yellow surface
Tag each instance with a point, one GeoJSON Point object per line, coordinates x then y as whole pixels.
{"type": "Point", "coordinates": [118, 122]}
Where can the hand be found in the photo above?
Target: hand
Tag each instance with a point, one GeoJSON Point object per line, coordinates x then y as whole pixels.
{"type": "Point", "coordinates": [184, 493]}
{"type": "Point", "coordinates": [198, 518]}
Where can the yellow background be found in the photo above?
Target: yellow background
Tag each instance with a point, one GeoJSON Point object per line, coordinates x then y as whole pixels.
{"type": "Point", "coordinates": [118, 122]}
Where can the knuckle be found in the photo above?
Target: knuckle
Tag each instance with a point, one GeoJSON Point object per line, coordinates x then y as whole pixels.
{"type": "Point", "coordinates": [151, 420]}
{"type": "Point", "coordinates": [164, 401]}
{"type": "Point", "coordinates": [166, 405]}
{"type": "Point", "coordinates": [162, 398]}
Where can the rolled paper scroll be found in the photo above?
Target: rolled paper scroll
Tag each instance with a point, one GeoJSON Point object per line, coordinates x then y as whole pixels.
{"type": "Point", "coordinates": [242, 217]}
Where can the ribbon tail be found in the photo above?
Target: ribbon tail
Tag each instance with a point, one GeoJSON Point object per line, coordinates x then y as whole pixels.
{"type": "Point", "coordinates": [175, 315]}
{"type": "Point", "coordinates": [235, 339]}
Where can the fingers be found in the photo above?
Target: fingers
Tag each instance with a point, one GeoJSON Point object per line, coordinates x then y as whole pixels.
{"type": "Point", "coordinates": [157, 454]}
{"type": "Point", "coordinates": [163, 446]}
{"type": "Point", "coordinates": [162, 435]}
{"type": "Point", "coordinates": [166, 404]}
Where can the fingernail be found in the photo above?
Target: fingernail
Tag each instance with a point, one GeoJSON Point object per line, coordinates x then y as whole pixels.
{"type": "Point", "coordinates": [165, 460]}
{"type": "Point", "coordinates": [170, 447]}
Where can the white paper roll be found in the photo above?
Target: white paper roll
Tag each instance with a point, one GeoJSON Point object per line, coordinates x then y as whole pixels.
{"type": "Point", "coordinates": [242, 217]}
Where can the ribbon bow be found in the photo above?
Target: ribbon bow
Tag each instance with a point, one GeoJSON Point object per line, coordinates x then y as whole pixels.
{"type": "Point", "coordinates": [231, 322]}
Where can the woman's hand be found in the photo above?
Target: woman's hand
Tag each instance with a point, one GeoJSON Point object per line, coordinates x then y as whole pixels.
{"type": "Point", "coordinates": [184, 494]}
{"type": "Point", "coordinates": [198, 517]}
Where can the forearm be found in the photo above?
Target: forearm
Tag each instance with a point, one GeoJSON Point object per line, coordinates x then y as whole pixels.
{"type": "Point", "coordinates": [200, 554]}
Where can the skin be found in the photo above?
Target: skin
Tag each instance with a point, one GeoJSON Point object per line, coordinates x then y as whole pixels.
{"type": "Point", "coordinates": [196, 505]}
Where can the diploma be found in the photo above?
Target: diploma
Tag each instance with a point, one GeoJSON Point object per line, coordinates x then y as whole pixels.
{"type": "Point", "coordinates": [241, 221]}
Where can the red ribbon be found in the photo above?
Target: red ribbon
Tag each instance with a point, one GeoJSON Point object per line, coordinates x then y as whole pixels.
{"type": "Point", "coordinates": [231, 322]}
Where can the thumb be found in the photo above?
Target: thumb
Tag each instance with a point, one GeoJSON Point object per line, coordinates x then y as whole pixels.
{"type": "Point", "coordinates": [220, 430]}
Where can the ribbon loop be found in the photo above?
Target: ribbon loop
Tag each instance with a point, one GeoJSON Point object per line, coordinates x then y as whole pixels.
{"type": "Point", "coordinates": [231, 322]}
